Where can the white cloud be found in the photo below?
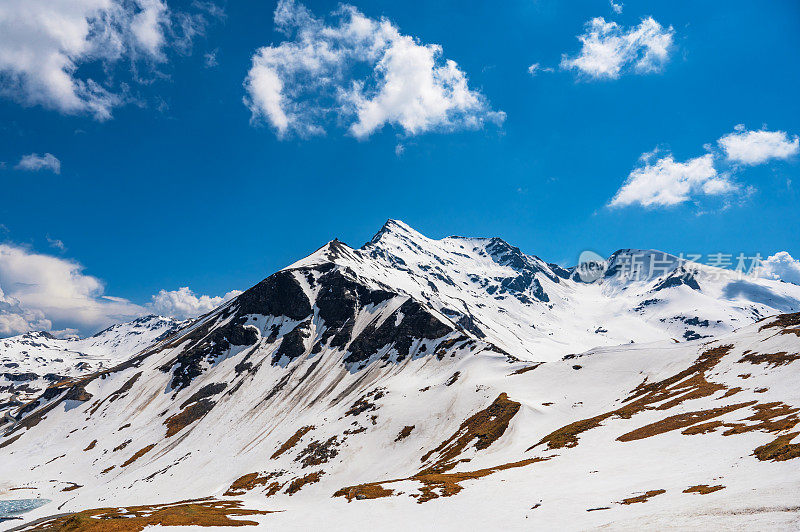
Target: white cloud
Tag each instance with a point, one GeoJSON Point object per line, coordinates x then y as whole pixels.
{"type": "Point", "coordinates": [608, 50]}
{"type": "Point", "coordinates": [148, 26]}
{"type": "Point", "coordinates": [668, 182]}
{"type": "Point", "coordinates": [616, 7]}
{"type": "Point", "coordinates": [210, 58]}
{"type": "Point", "coordinates": [15, 319]}
{"type": "Point", "coordinates": [781, 266]}
{"type": "Point", "coordinates": [44, 44]}
{"type": "Point", "coordinates": [56, 243]}
{"type": "Point", "coordinates": [183, 303]}
{"type": "Point", "coordinates": [43, 291]}
{"type": "Point", "coordinates": [359, 72]}
{"type": "Point", "coordinates": [535, 68]}
{"type": "Point", "coordinates": [756, 147]}
{"type": "Point", "coordinates": [34, 162]}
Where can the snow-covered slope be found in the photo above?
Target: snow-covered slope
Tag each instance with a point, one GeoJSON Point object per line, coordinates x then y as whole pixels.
{"type": "Point", "coordinates": [349, 391]}
{"type": "Point", "coordinates": [540, 311]}
{"type": "Point", "coordinates": [32, 361]}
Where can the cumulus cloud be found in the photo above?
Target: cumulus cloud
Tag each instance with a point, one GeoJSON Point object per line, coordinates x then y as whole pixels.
{"type": "Point", "coordinates": [781, 266]}
{"type": "Point", "coordinates": [616, 7]}
{"type": "Point", "coordinates": [42, 291]}
{"type": "Point", "coordinates": [183, 303]}
{"type": "Point", "coordinates": [609, 50]}
{"type": "Point", "coordinates": [359, 72]}
{"type": "Point", "coordinates": [15, 319]}
{"type": "Point", "coordinates": [35, 162]}
{"type": "Point", "coordinates": [757, 147]}
{"type": "Point", "coordinates": [44, 44]}
{"type": "Point", "coordinates": [668, 182]}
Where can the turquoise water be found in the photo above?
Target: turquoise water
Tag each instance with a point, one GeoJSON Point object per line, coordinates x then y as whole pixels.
{"type": "Point", "coordinates": [16, 507]}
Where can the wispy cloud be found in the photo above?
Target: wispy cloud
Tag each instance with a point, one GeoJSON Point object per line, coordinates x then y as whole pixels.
{"type": "Point", "coordinates": [56, 243]}
{"type": "Point", "coordinates": [616, 7]}
{"type": "Point", "coordinates": [210, 58]}
{"type": "Point", "coordinates": [360, 72]}
{"type": "Point", "coordinates": [608, 50]}
{"type": "Point", "coordinates": [536, 68]}
{"type": "Point", "coordinates": [34, 162]}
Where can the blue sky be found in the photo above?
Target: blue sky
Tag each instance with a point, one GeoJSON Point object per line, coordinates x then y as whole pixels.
{"type": "Point", "coordinates": [182, 186]}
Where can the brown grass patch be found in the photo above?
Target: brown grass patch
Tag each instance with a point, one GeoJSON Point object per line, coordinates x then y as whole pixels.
{"type": "Point", "coordinates": [732, 391]}
{"type": "Point", "coordinates": [688, 384]}
{"type": "Point", "coordinates": [643, 497]}
{"type": "Point", "coordinates": [773, 360]}
{"type": "Point", "coordinates": [251, 481]}
{"type": "Point", "coordinates": [196, 513]}
{"type": "Point", "coordinates": [779, 449]}
{"type": "Point", "coordinates": [434, 485]}
{"type": "Point", "coordinates": [317, 452]}
{"type": "Point", "coordinates": [567, 436]}
{"type": "Point", "coordinates": [483, 427]}
{"type": "Point", "coordinates": [526, 369]}
{"type": "Point", "coordinates": [783, 321]}
{"type": "Point", "coordinates": [296, 484]}
{"type": "Point", "coordinates": [72, 487]}
{"type": "Point", "coordinates": [364, 491]}
{"type": "Point", "coordinates": [138, 454]}
{"type": "Point", "coordinates": [177, 422]}
{"type": "Point", "coordinates": [679, 421]}
{"type": "Point", "coordinates": [106, 470]}
{"type": "Point", "coordinates": [273, 488]}
{"type": "Point", "coordinates": [91, 445]}
{"type": "Point", "coordinates": [292, 441]}
{"type": "Point", "coordinates": [702, 428]}
{"type": "Point", "coordinates": [703, 489]}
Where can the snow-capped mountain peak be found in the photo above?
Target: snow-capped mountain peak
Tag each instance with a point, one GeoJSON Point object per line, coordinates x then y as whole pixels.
{"type": "Point", "coordinates": [414, 369]}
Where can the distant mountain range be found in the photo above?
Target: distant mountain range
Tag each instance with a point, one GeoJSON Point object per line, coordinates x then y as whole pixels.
{"type": "Point", "coordinates": [412, 382]}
